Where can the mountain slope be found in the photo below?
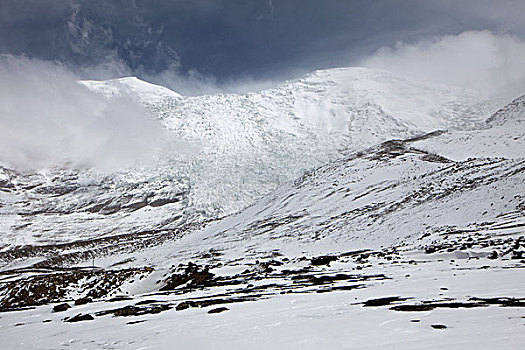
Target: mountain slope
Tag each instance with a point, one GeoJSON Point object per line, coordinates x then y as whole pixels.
{"type": "Point", "coordinates": [392, 193]}
{"type": "Point", "coordinates": [235, 149]}
{"type": "Point", "coordinates": [273, 136]}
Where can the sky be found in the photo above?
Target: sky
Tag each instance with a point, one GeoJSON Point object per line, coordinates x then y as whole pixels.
{"type": "Point", "coordinates": [205, 44]}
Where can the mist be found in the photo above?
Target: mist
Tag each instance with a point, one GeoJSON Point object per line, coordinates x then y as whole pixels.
{"type": "Point", "coordinates": [479, 60]}
{"type": "Point", "coordinates": [194, 83]}
{"type": "Point", "coordinates": [48, 119]}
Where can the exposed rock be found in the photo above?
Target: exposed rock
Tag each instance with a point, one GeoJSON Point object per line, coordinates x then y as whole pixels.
{"type": "Point", "coordinates": [382, 301]}
{"type": "Point", "coordinates": [192, 275]}
{"type": "Point", "coordinates": [438, 326]}
{"type": "Point", "coordinates": [83, 301]}
{"type": "Point", "coordinates": [218, 310]}
{"type": "Point", "coordinates": [185, 305]}
{"type": "Point", "coordinates": [131, 310]}
{"type": "Point", "coordinates": [135, 322]}
{"type": "Point", "coordinates": [54, 284]}
{"type": "Point", "coordinates": [80, 317]}
{"type": "Point", "coordinates": [61, 307]}
{"type": "Point", "coordinates": [323, 260]}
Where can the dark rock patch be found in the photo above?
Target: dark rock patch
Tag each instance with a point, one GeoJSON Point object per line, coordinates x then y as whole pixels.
{"type": "Point", "coordinates": [416, 307]}
{"type": "Point", "coordinates": [323, 260]}
{"type": "Point", "coordinates": [216, 301]}
{"type": "Point", "coordinates": [80, 317]}
{"type": "Point", "coordinates": [135, 322]}
{"type": "Point", "coordinates": [148, 301]}
{"type": "Point", "coordinates": [120, 298]}
{"type": "Point", "coordinates": [493, 255]}
{"type": "Point", "coordinates": [131, 310]}
{"type": "Point", "coordinates": [83, 301]}
{"type": "Point", "coordinates": [185, 305]}
{"type": "Point", "coordinates": [54, 285]}
{"type": "Point", "coordinates": [325, 279]}
{"type": "Point", "coordinates": [192, 275]}
{"type": "Point", "coordinates": [61, 307]}
{"type": "Point", "coordinates": [472, 302]}
{"type": "Point", "coordinates": [159, 202]}
{"type": "Point", "coordinates": [438, 326]}
{"type": "Point", "coordinates": [382, 301]}
{"type": "Point", "coordinates": [218, 310]}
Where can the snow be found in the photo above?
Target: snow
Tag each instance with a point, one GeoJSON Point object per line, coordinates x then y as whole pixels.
{"type": "Point", "coordinates": [304, 321]}
{"type": "Point", "coordinates": [364, 201]}
{"type": "Point", "coordinates": [146, 92]}
{"type": "Point", "coordinates": [291, 173]}
{"type": "Point", "coordinates": [238, 149]}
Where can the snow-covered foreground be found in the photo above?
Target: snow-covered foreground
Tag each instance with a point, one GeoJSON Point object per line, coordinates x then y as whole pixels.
{"type": "Point", "coordinates": [311, 317]}
{"type": "Point", "coordinates": [404, 240]}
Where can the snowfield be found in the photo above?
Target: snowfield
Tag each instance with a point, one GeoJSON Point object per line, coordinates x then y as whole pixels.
{"type": "Point", "coordinates": [349, 209]}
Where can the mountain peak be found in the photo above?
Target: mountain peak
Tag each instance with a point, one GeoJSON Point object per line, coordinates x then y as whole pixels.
{"type": "Point", "coordinates": [148, 93]}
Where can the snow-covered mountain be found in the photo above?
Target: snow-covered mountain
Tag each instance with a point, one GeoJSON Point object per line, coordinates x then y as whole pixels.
{"type": "Point", "coordinates": [275, 135]}
{"type": "Point", "coordinates": [146, 92]}
{"type": "Point", "coordinates": [417, 240]}
{"type": "Point", "coordinates": [391, 193]}
{"type": "Point", "coordinates": [235, 149]}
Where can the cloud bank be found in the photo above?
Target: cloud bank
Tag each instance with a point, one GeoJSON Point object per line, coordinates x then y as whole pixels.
{"type": "Point", "coordinates": [477, 60]}
{"type": "Point", "coordinates": [48, 119]}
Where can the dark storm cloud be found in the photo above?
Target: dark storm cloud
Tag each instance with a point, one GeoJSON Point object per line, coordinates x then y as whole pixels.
{"type": "Point", "coordinates": [224, 40]}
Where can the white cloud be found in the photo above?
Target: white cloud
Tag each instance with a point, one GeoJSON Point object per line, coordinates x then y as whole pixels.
{"type": "Point", "coordinates": [479, 60]}
{"type": "Point", "coordinates": [193, 83]}
{"type": "Point", "coordinates": [48, 119]}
